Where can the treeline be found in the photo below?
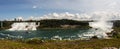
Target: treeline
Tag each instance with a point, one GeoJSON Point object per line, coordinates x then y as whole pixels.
{"type": "Point", "coordinates": [56, 23]}
{"type": "Point", "coordinates": [53, 23]}
{"type": "Point", "coordinates": [116, 23]}
{"type": "Point", "coordinates": [49, 23]}
{"type": "Point", "coordinates": [5, 24]}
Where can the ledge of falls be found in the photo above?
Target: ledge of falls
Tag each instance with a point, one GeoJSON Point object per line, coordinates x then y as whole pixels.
{"type": "Point", "coordinates": [23, 26]}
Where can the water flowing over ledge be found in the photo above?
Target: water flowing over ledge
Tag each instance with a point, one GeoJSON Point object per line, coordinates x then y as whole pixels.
{"type": "Point", "coordinates": [23, 26]}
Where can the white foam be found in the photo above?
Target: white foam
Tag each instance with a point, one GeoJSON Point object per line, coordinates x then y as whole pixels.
{"type": "Point", "coordinates": [23, 26]}
{"type": "Point", "coordinates": [56, 37]}
{"type": "Point", "coordinates": [11, 36]}
{"type": "Point", "coordinates": [101, 26]}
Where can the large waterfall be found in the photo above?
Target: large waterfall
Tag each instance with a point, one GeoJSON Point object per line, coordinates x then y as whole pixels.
{"type": "Point", "coordinates": [23, 26]}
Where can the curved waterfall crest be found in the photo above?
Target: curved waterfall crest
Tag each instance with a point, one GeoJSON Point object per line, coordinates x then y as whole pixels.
{"type": "Point", "coordinates": [23, 26]}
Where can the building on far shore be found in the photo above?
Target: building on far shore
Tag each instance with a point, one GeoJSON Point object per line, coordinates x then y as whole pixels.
{"type": "Point", "coordinates": [18, 19]}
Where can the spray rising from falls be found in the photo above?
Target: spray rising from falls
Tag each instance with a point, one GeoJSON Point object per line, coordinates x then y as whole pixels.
{"type": "Point", "coordinates": [23, 26]}
{"type": "Point", "coordinates": [101, 26]}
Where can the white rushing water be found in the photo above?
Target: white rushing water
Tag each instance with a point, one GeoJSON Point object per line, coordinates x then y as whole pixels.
{"type": "Point", "coordinates": [101, 26]}
{"type": "Point", "coordinates": [23, 26]}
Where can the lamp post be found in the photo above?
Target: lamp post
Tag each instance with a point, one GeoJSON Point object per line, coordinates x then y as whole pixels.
{"type": "Point", "coordinates": [1, 23]}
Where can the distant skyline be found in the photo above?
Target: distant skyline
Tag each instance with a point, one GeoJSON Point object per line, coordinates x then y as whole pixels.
{"type": "Point", "coordinates": [14, 8]}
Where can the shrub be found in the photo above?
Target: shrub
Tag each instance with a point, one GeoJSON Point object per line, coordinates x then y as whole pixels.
{"type": "Point", "coordinates": [34, 41]}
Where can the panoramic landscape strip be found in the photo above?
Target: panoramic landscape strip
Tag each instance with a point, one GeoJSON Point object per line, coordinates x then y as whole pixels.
{"type": "Point", "coordinates": [59, 24]}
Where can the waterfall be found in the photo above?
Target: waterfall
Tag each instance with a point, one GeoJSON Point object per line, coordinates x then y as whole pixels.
{"type": "Point", "coordinates": [23, 26]}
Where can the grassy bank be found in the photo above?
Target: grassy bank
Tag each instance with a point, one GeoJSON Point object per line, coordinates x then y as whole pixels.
{"type": "Point", "coordinates": [78, 44]}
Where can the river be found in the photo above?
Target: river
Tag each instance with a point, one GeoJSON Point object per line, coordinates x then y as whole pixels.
{"type": "Point", "coordinates": [61, 34]}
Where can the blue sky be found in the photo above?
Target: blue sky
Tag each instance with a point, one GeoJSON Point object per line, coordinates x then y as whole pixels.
{"type": "Point", "coordinates": [14, 8]}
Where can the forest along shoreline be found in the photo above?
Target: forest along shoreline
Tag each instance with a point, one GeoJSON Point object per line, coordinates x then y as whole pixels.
{"type": "Point", "coordinates": [50, 23]}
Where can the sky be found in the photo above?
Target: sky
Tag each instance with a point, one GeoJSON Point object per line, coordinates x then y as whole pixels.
{"type": "Point", "coordinates": [15, 8]}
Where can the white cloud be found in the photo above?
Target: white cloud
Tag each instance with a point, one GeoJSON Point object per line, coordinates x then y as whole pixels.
{"type": "Point", "coordinates": [34, 7]}
{"type": "Point", "coordinates": [80, 5]}
{"type": "Point", "coordinates": [108, 15]}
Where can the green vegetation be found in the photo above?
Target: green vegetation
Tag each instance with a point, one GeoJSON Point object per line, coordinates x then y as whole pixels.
{"type": "Point", "coordinates": [5, 25]}
{"type": "Point", "coordinates": [51, 23]}
{"type": "Point", "coordinates": [116, 23]}
{"type": "Point", "coordinates": [77, 44]}
{"type": "Point", "coordinates": [116, 28]}
{"type": "Point", "coordinates": [116, 33]}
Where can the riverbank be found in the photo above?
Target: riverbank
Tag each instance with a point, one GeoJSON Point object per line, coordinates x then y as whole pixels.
{"type": "Point", "coordinates": [76, 44]}
{"type": "Point", "coordinates": [54, 23]}
{"type": "Point", "coordinates": [49, 23]}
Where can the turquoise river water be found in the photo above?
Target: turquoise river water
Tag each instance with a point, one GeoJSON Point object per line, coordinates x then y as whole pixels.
{"type": "Point", "coordinates": [70, 34]}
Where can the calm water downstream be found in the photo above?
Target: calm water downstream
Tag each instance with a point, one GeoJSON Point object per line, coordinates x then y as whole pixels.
{"type": "Point", "coordinates": [44, 34]}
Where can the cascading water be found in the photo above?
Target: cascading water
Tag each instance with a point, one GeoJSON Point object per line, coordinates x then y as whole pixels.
{"type": "Point", "coordinates": [23, 26]}
{"type": "Point", "coordinates": [101, 26]}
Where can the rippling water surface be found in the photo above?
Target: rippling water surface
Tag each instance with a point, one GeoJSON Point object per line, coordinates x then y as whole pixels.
{"type": "Point", "coordinates": [44, 34]}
